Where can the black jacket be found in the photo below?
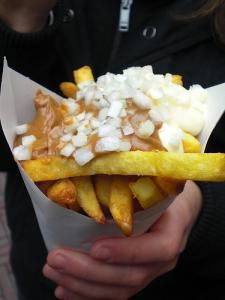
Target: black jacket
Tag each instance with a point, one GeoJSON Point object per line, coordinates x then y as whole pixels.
{"type": "Point", "coordinates": [85, 33]}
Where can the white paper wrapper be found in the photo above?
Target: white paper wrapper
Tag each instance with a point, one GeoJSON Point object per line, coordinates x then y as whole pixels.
{"type": "Point", "coordinates": [60, 226]}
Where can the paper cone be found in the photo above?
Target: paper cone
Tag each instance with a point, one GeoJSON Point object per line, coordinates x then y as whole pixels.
{"type": "Point", "coordinates": [60, 226]}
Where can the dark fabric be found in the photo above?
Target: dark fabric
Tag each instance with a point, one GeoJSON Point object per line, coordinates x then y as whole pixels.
{"type": "Point", "coordinates": [28, 252]}
{"type": "Point", "coordinates": [91, 38]}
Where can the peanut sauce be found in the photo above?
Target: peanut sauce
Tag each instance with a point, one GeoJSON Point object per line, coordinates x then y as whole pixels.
{"type": "Point", "coordinates": [48, 127]}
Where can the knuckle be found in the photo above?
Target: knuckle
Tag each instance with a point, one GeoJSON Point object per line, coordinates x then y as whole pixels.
{"type": "Point", "coordinates": [85, 270]}
{"type": "Point", "coordinates": [138, 278]}
{"type": "Point", "coordinates": [170, 249]}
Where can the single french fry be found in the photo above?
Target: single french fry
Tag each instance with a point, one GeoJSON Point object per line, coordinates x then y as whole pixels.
{"type": "Point", "coordinates": [181, 166]}
{"type": "Point", "coordinates": [191, 144]}
{"type": "Point", "coordinates": [177, 79]}
{"type": "Point", "coordinates": [121, 204]}
{"type": "Point", "coordinates": [64, 193]}
{"type": "Point", "coordinates": [87, 199]}
{"type": "Point", "coordinates": [169, 186]}
{"type": "Point", "coordinates": [83, 74]}
{"type": "Point", "coordinates": [44, 185]}
{"type": "Point", "coordinates": [102, 188]}
{"type": "Point", "coordinates": [69, 89]}
{"type": "Point", "coordinates": [146, 192]}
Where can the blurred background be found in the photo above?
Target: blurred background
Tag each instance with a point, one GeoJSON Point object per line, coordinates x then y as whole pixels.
{"type": "Point", "coordinates": [7, 283]}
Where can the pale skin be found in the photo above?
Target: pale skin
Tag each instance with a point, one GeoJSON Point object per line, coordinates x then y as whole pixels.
{"type": "Point", "coordinates": [25, 16]}
{"type": "Point", "coordinates": [115, 268]}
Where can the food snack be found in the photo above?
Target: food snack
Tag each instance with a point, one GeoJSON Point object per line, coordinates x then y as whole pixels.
{"type": "Point", "coordinates": [148, 121]}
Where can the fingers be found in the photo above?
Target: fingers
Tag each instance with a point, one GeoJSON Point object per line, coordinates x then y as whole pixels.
{"type": "Point", "coordinates": [161, 245]}
{"type": "Point", "coordinates": [82, 276]}
{"type": "Point", "coordinates": [75, 288]}
{"type": "Point", "coordinates": [121, 266]}
{"type": "Point", "coordinates": [63, 294]}
{"type": "Point", "coordinates": [165, 241]}
{"type": "Point", "coordinates": [82, 266]}
{"type": "Point", "coordinates": [86, 288]}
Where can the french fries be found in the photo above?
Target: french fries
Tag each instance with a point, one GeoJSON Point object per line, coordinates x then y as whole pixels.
{"type": "Point", "coordinates": [64, 193]}
{"type": "Point", "coordinates": [102, 188]}
{"type": "Point", "coordinates": [121, 204]}
{"type": "Point", "coordinates": [87, 199]}
{"type": "Point", "coordinates": [83, 74]}
{"type": "Point", "coordinates": [146, 192]}
{"type": "Point", "coordinates": [69, 89]}
{"type": "Point", "coordinates": [105, 182]}
{"type": "Point", "coordinates": [177, 79]}
{"type": "Point", "coordinates": [180, 166]}
{"type": "Point", "coordinates": [191, 144]}
{"type": "Point", "coordinates": [169, 186]}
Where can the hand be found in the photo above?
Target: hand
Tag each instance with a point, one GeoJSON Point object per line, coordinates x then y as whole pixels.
{"type": "Point", "coordinates": [25, 15]}
{"type": "Point", "coordinates": [117, 268]}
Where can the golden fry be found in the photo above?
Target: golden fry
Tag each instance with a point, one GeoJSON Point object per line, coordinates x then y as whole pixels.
{"type": "Point", "coordinates": [191, 144]}
{"type": "Point", "coordinates": [83, 74]}
{"type": "Point", "coordinates": [121, 204]}
{"type": "Point", "coordinates": [146, 192]}
{"type": "Point", "coordinates": [64, 193]}
{"type": "Point", "coordinates": [69, 89]}
{"type": "Point", "coordinates": [169, 186]}
{"type": "Point", "coordinates": [181, 166]}
{"type": "Point", "coordinates": [177, 79]}
{"type": "Point", "coordinates": [102, 188]}
{"type": "Point", "coordinates": [87, 199]}
{"type": "Point", "coordinates": [44, 185]}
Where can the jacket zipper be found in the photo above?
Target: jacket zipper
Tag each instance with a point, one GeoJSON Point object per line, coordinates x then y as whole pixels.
{"type": "Point", "coordinates": [124, 20]}
{"type": "Point", "coordinates": [123, 26]}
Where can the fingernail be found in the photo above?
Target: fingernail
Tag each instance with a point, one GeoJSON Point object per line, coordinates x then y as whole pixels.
{"type": "Point", "coordinates": [102, 253]}
{"type": "Point", "coordinates": [58, 261]}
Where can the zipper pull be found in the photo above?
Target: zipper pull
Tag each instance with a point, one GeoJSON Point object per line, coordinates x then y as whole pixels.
{"type": "Point", "coordinates": [124, 20]}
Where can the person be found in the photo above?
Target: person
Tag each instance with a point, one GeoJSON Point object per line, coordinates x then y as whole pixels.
{"type": "Point", "coordinates": [182, 255]}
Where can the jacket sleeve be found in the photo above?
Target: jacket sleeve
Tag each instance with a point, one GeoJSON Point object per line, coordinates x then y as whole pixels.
{"type": "Point", "coordinates": [28, 53]}
{"type": "Point", "coordinates": [206, 245]}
